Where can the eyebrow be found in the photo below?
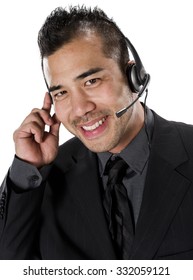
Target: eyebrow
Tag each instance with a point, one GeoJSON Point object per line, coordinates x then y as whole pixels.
{"type": "Point", "coordinates": [79, 77]}
{"type": "Point", "coordinates": [88, 73]}
{"type": "Point", "coordinates": [53, 88]}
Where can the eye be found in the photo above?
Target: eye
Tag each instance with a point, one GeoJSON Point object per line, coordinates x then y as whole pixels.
{"type": "Point", "coordinates": [60, 95]}
{"type": "Point", "coordinates": [91, 82]}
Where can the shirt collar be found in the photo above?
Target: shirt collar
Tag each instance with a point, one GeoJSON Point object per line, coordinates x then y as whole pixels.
{"type": "Point", "coordinates": [136, 154]}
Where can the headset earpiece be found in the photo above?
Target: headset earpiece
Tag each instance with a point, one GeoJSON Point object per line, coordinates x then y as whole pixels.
{"type": "Point", "coordinates": [137, 77]}
{"type": "Point", "coordinates": [132, 76]}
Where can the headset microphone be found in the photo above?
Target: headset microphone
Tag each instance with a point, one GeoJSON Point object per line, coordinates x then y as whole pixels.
{"type": "Point", "coordinates": [137, 77]}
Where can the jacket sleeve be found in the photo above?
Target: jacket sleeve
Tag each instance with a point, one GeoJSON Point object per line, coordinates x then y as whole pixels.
{"type": "Point", "coordinates": [21, 196]}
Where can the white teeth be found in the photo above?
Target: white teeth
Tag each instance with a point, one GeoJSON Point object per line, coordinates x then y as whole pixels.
{"type": "Point", "coordinates": [94, 126]}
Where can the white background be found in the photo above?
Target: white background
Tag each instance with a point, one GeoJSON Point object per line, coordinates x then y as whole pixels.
{"type": "Point", "coordinates": [160, 30]}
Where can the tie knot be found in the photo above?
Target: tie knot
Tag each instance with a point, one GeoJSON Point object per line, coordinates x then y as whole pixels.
{"type": "Point", "coordinates": [116, 169]}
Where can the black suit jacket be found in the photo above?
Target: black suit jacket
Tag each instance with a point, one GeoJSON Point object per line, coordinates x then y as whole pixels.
{"type": "Point", "coordinates": [64, 217]}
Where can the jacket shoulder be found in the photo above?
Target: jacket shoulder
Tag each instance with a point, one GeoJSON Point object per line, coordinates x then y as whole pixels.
{"type": "Point", "coordinates": [72, 146]}
{"type": "Point", "coordinates": [176, 130]}
{"type": "Point", "coordinates": [71, 149]}
{"type": "Point", "coordinates": [186, 129]}
{"type": "Point", "coordinates": [186, 134]}
{"type": "Point", "coordinates": [183, 128]}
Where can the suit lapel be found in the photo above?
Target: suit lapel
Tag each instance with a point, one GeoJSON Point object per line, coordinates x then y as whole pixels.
{"type": "Point", "coordinates": [88, 195]}
{"type": "Point", "coordinates": [164, 190]}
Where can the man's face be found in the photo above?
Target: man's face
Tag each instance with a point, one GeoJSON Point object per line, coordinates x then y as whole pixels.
{"type": "Point", "coordinates": [87, 89]}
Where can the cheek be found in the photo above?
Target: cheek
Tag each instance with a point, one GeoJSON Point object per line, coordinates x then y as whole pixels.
{"type": "Point", "coordinates": [117, 94]}
{"type": "Point", "coordinates": [109, 97]}
{"type": "Point", "coordinates": [61, 112]}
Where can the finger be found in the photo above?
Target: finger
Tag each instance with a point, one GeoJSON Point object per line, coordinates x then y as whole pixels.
{"type": "Point", "coordinates": [47, 104]}
{"type": "Point", "coordinates": [41, 115]}
{"type": "Point", "coordinates": [54, 129]}
{"type": "Point", "coordinates": [28, 130]}
{"type": "Point", "coordinates": [38, 132]}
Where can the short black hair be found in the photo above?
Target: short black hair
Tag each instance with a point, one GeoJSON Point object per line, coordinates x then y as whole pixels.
{"type": "Point", "coordinates": [63, 25]}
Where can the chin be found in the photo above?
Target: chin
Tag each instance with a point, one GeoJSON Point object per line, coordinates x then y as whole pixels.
{"type": "Point", "coordinates": [101, 144]}
{"type": "Point", "coordinates": [95, 147]}
{"type": "Point", "coordinates": [98, 147]}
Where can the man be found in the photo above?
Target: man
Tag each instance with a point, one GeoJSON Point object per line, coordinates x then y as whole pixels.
{"type": "Point", "coordinates": [58, 202]}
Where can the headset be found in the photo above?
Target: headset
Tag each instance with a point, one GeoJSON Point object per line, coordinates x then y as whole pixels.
{"type": "Point", "coordinates": [138, 78]}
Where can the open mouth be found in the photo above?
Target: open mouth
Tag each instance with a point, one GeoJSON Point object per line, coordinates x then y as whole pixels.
{"type": "Point", "coordinates": [94, 126]}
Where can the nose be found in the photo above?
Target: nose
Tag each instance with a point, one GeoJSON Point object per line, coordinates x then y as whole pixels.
{"type": "Point", "coordinates": [81, 103]}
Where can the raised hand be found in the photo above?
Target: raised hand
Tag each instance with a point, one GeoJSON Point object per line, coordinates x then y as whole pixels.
{"type": "Point", "coordinates": [32, 143]}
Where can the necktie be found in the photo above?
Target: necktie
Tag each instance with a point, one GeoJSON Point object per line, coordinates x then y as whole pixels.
{"type": "Point", "coordinates": [117, 207]}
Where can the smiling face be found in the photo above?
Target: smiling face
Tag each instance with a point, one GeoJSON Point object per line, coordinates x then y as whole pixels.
{"type": "Point", "coordinates": [87, 89]}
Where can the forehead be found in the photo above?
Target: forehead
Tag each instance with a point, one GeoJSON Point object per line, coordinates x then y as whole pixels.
{"type": "Point", "coordinates": [75, 57]}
